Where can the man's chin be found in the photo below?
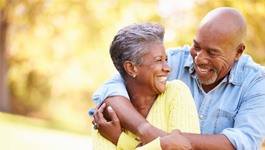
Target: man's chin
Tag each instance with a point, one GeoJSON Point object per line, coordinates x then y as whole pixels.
{"type": "Point", "coordinates": [208, 82]}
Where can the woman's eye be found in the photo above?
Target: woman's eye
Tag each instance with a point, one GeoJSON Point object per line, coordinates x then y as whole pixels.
{"type": "Point", "coordinates": [196, 47]}
{"type": "Point", "coordinates": [158, 60]}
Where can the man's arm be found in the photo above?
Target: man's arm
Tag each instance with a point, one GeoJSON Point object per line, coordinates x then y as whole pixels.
{"type": "Point", "coordinates": [113, 92]}
{"type": "Point", "coordinates": [112, 87]}
{"type": "Point", "coordinates": [133, 121]}
{"type": "Point", "coordinates": [209, 141]}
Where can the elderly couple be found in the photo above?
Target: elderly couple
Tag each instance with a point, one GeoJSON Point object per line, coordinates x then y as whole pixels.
{"type": "Point", "coordinates": [207, 96]}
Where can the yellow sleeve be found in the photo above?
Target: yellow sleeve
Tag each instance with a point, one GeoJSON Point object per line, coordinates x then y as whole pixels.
{"type": "Point", "coordinates": [182, 110]}
{"type": "Point", "coordinates": [153, 145]}
{"type": "Point", "coordinates": [99, 142]}
{"type": "Point", "coordinates": [127, 142]}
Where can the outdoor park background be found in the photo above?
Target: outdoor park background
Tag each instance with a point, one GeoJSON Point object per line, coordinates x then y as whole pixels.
{"type": "Point", "coordinates": [54, 54]}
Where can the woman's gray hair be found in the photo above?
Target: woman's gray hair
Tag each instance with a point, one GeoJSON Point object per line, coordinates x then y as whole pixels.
{"type": "Point", "coordinates": [132, 42]}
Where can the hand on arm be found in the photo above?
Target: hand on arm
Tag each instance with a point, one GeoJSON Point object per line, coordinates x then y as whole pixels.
{"type": "Point", "coordinates": [133, 121]}
{"type": "Point", "coordinates": [175, 140]}
{"type": "Point", "coordinates": [111, 130]}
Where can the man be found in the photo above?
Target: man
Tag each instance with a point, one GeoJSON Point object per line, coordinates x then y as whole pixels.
{"type": "Point", "coordinates": [227, 87]}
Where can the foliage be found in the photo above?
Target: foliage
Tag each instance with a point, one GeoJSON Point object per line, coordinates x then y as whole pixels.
{"type": "Point", "coordinates": [58, 50]}
{"type": "Point", "coordinates": [58, 54]}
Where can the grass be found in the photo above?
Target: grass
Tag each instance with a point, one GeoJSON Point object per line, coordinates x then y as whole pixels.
{"type": "Point", "coordinates": [18, 132]}
{"type": "Point", "coordinates": [24, 133]}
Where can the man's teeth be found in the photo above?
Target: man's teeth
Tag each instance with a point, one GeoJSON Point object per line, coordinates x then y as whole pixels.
{"type": "Point", "coordinates": [162, 79]}
{"type": "Point", "coordinates": [203, 70]}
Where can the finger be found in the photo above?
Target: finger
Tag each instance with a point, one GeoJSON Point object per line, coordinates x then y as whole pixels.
{"type": "Point", "coordinates": [99, 110]}
{"type": "Point", "coordinates": [102, 107]}
{"type": "Point", "coordinates": [176, 131]}
{"type": "Point", "coordinates": [98, 106]}
{"type": "Point", "coordinates": [98, 116]}
{"type": "Point", "coordinates": [94, 124]}
{"type": "Point", "coordinates": [138, 139]}
{"type": "Point", "coordinates": [113, 115]}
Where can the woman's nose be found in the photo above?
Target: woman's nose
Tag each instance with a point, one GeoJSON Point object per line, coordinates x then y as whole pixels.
{"type": "Point", "coordinates": [166, 67]}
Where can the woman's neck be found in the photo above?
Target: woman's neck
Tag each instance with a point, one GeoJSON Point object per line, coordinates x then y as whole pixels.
{"type": "Point", "coordinates": [141, 97]}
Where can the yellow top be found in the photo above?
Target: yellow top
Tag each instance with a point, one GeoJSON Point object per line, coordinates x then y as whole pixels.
{"type": "Point", "coordinates": [173, 109]}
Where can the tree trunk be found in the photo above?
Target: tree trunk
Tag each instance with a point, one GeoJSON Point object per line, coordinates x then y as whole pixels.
{"type": "Point", "coordinates": [4, 92]}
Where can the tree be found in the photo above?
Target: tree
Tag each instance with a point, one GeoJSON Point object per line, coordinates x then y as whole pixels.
{"type": "Point", "coordinates": [4, 97]}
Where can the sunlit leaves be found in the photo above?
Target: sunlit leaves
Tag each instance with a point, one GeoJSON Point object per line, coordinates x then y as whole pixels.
{"type": "Point", "coordinates": [58, 49]}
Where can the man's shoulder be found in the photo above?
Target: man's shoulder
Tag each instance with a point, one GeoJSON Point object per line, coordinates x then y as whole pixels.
{"type": "Point", "coordinates": [178, 56]}
{"type": "Point", "coordinates": [246, 70]}
{"type": "Point", "coordinates": [247, 64]}
{"type": "Point", "coordinates": [178, 59]}
{"type": "Point", "coordinates": [178, 50]}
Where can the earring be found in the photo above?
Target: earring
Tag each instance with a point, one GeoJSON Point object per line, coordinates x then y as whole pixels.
{"type": "Point", "coordinates": [133, 75]}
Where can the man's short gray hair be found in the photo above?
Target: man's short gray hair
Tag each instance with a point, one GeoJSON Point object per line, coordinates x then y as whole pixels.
{"type": "Point", "coordinates": [133, 41]}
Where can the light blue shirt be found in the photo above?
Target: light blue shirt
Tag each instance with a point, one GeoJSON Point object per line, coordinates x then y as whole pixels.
{"type": "Point", "coordinates": [235, 107]}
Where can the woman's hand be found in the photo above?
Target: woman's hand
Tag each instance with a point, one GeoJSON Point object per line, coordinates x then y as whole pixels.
{"type": "Point", "coordinates": [111, 130]}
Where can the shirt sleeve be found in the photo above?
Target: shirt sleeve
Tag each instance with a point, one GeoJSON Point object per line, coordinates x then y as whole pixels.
{"type": "Point", "coordinates": [113, 87]}
{"type": "Point", "coordinates": [249, 124]}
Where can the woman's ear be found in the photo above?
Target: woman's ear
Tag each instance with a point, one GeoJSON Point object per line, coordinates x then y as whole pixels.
{"type": "Point", "coordinates": [239, 51]}
{"type": "Point", "coordinates": [130, 68]}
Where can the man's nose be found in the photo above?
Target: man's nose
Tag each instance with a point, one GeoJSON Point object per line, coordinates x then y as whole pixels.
{"type": "Point", "coordinates": [201, 57]}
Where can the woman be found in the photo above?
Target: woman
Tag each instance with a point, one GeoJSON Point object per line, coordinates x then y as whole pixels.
{"type": "Point", "coordinates": [138, 53]}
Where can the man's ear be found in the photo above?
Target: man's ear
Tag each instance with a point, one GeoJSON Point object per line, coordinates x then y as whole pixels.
{"type": "Point", "coordinates": [130, 68]}
{"type": "Point", "coordinates": [239, 51]}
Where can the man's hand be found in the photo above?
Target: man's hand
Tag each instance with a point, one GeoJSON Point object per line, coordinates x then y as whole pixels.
{"type": "Point", "coordinates": [111, 130]}
{"type": "Point", "coordinates": [175, 141]}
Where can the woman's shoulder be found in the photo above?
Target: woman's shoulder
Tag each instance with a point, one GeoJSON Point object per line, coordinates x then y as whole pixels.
{"type": "Point", "coordinates": [176, 88]}
{"type": "Point", "coordinates": [176, 84]}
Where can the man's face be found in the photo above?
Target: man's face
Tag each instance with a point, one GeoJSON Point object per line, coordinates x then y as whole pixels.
{"type": "Point", "coordinates": [213, 56]}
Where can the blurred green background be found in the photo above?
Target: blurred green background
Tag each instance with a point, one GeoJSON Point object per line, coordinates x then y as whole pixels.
{"type": "Point", "coordinates": [54, 54]}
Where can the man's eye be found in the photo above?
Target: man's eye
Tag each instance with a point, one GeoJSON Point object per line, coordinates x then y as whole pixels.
{"type": "Point", "coordinates": [212, 53]}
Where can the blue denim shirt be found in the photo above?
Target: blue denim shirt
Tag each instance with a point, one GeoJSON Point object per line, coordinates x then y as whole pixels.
{"type": "Point", "coordinates": [235, 107]}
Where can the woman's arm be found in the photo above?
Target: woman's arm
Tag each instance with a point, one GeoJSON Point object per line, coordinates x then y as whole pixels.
{"type": "Point", "coordinates": [111, 130]}
{"type": "Point", "coordinates": [133, 121]}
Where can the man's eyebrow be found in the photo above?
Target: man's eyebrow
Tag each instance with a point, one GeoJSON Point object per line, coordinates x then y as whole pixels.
{"type": "Point", "coordinates": [212, 49]}
{"type": "Point", "coordinates": [208, 48]}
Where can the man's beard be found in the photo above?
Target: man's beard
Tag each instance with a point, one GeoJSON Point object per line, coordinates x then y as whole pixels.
{"type": "Point", "coordinates": [212, 80]}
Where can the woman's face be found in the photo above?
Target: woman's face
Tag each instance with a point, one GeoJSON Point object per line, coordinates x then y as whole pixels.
{"type": "Point", "coordinates": [153, 71]}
